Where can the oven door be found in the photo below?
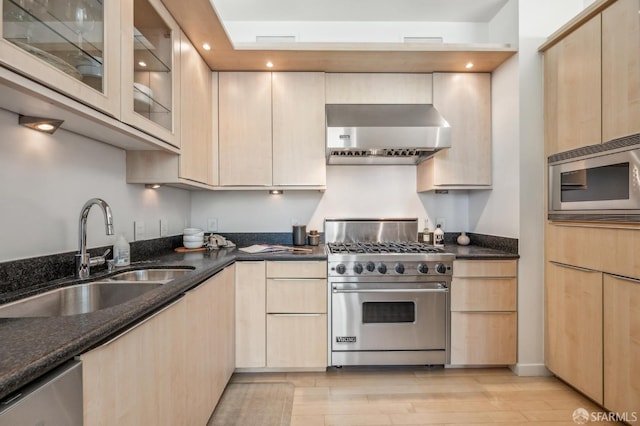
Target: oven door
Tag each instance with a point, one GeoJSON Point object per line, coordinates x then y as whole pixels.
{"type": "Point", "coordinates": [389, 316]}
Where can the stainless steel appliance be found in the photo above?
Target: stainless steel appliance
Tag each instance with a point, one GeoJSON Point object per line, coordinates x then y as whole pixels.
{"type": "Point", "coordinates": [597, 182]}
{"type": "Point", "coordinates": [55, 399]}
{"type": "Point", "coordinates": [384, 134]}
{"type": "Point", "coordinates": [389, 294]}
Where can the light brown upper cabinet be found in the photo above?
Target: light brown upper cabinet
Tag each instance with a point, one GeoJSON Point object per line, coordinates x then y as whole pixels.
{"type": "Point", "coordinates": [464, 100]}
{"type": "Point", "coordinates": [245, 128]}
{"type": "Point", "coordinates": [378, 88]}
{"type": "Point", "coordinates": [151, 69]}
{"type": "Point", "coordinates": [621, 69]}
{"type": "Point", "coordinates": [572, 91]}
{"type": "Point", "coordinates": [199, 143]}
{"type": "Point", "coordinates": [197, 164]}
{"type": "Point", "coordinates": [71, 46]}
{"type": "Point", "coordinates": [298, 129]}
{"type": "Point", "coordinates": [271, 129]}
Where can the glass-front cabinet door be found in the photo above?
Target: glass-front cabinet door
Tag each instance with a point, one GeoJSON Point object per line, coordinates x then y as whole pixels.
{"type": "Point", "coordinates": [150, 69]}
{"type": "Point", "coordinates": [71, 46]}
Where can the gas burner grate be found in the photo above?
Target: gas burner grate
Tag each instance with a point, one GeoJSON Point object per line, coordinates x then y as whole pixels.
{"type": "Point", "coordinates": [367, 247]}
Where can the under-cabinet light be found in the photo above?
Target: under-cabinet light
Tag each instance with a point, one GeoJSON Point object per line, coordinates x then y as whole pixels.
{"type": "Point", "coordinates": [152, 185]}
{"type": "Point", "coordinates": [469, 65]}
{"type": "Point", "coordinates": [269, 64]}
{"type": "Point", "coordinates": [206, 46]}
{"type": "Point", "coordinates": [142, 64]}
{"type": "Point", "coordinates": [276, 191]}
{"type": "Point", "coordinates": [41, 124]}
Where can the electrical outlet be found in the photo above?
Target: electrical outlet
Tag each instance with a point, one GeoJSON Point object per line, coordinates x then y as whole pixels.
{"type": "Point", "coordinates": [442, 222]}
{"type": "Point", "coordinates": [164, 227]}
{"type": "Point", "coordinates": [138, 230]}
{"type": "Point", "coordinates": [212, 224]}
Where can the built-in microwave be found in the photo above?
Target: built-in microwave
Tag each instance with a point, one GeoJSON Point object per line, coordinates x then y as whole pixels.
{"type": "Point", "coordinates": [596, 183]}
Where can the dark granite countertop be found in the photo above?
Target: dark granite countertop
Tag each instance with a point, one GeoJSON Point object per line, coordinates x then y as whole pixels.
{"type": "Point", "coordinates": [33, 346]}
{"type": "Point", "coordinates": [473, 252]}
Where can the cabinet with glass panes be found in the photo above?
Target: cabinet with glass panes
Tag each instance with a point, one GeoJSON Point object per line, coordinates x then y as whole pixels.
{"type": "Point", "coordinates": [71, 46]}
{"type": "Point", "coordinates": [150, 69]}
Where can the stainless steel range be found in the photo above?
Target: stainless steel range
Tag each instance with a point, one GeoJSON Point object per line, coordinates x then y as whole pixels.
{"type": "Point", "coordinates": [389, 294]}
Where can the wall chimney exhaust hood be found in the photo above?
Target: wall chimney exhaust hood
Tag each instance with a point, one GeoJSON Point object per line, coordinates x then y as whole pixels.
{"type": "Point", "coordinates": [384, 134]}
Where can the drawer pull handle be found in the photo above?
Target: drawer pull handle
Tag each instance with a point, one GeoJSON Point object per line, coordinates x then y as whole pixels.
{"type": "Point", "coordinates": [622, 277]}
{"type": "Point", "coordinates": [577, 268]}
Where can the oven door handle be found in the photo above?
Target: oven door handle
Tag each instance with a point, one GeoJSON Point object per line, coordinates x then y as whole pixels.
{"type": "Point", "coordinates": [393, 290]}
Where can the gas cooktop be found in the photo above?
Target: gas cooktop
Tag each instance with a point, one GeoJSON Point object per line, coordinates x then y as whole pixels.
{"type": "Point", "coordinates": [368, 247]}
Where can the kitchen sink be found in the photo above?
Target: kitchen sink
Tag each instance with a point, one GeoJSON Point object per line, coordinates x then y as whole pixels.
{"type": "Point", "coordinates": [77, 299]}
{"type": "Point", "coordinates": [162, 275]}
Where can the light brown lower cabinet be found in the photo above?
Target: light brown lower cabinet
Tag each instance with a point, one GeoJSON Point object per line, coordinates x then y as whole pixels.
{"type": "Point", "coordinates": [483, 338]}
{"type": "Point", "coordinates": [250, 315]}
{"type": "Point", "coordinates": [484, 318]}
{"type": "Point", "coordinates": [137, 378]}
{"type": "Point", "coordinates": [281, 315]}
{"type": "Point", "coordinates": [171, 368]}
{"type": "Point", "coordinates": [210, 353]}
{"type": "Point", "coordinates": [573, 327]}
{"type": "Point", "coordinates": [622, 345]}
{"type": "Point", "coordinates": [297, 340]}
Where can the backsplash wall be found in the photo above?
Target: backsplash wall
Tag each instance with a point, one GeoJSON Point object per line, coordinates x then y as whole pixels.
{"type": "Point", "coordinates": [46, 179]}
{"type": "Point", "coordinates": [352, 191]}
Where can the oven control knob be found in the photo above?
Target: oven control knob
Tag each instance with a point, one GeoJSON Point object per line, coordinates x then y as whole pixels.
{"type": "Point", "coordinates": [423, 268]}
{"type": "Point", "coordinates": [382, 268]}
{"type": "Point", "coordinates": [440, 268]}
{"type": "Point", "coordinates": [357, 268]}
{"type": "Point", "coordinates": [341, 269]}
{"type": "Point", "coordinates": [371, 267]}
{"type": "Point", "coordinates": [399, 268]}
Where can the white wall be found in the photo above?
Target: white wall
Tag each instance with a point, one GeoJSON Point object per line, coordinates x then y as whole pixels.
{"type": "Point", "coordinates": [352, 191]}
{"type": "Point", "coordinates": [495, 212]}
{"type": "Point", "coordinates": [46, 179]}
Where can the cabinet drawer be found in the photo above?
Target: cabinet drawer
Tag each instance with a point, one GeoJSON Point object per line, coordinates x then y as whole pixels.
{"type": "Point", "coordinates": [485, 268]}
{"type": "Point", "coordinates": [483, 338]}
{"type": "Point", "coordinates": [305, 269]}
{"type": "Point", "coordinates": [296, 295]}
{"type": "Point", "coordinates": [297, 341]}
{"type": "Point", "coordinates": [485, 294]}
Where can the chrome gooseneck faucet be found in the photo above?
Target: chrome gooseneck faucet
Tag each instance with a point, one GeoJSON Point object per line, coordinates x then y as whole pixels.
{"type": "Point", "coordinates": [83, 259]}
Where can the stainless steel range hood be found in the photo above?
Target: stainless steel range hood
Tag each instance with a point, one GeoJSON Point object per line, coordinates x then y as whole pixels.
{"type": "Point", "coordinates": [384, 134]}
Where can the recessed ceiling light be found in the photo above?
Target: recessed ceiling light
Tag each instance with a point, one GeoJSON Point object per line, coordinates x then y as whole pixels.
{"type": "Point", "coordinates": [142, 63]}
{"type": "Point", "coordinates": [269, 64]}
{"type": "Point", "coordinates": [469, 65]}
{"type": "Point", "coordinates": [206, 46]}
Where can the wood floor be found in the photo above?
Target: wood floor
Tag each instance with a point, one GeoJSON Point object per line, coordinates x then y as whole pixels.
{"type": "Point", "coordinates": [427, 397]}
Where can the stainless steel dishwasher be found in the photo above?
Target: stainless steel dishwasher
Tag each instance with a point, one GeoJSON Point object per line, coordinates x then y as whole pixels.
{"type": "Point", "coordinates": [52, 400]}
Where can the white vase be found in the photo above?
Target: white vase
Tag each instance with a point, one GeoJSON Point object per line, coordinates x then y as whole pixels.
{"type": "Point", "coordinates": [463, 239]}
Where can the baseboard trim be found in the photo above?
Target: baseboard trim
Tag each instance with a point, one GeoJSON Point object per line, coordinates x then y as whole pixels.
{"type": "Point", "coordinates": [530, 370]}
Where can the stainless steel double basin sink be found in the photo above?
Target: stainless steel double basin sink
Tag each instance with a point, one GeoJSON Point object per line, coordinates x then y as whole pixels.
{"type": "Point", "coordinates": [92, 296]}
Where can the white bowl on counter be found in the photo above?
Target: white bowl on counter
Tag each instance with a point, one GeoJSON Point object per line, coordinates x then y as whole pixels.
{"type": "Point", "coordinates": [192, 244]}
{"type": "Point", "coordinates": [193, 238]}
{"type": "Point", "coordinates": [192, 231]}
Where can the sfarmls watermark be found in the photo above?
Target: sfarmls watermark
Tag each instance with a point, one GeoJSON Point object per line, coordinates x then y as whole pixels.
{"type": "Point", "coordinates": [582, 416]}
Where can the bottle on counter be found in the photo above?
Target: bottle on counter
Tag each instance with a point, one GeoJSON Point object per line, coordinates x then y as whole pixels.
{"type": "Point", "coordinates": [121, 252]}
{"type": "Point", "coordinates": [438, 236]}
{"type": "Point", "coordinates": [427, 235]}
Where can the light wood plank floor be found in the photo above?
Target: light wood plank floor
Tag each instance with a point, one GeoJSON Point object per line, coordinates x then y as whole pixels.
{"type": "Point", "coordinates": [415, 396]}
